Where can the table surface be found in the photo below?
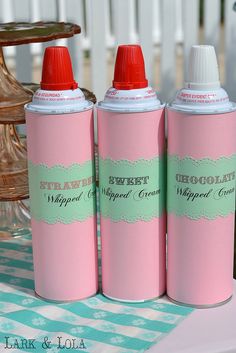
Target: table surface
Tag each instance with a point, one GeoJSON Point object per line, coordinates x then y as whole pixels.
{"type": "Point", "coordinates": [117, 327]}
{"type": "Point", "coordinates": [204, 331]}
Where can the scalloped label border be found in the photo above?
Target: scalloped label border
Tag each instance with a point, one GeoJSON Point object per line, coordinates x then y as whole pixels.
{"type": "Point", "coordinates": [132, 190]}
{"type": "Point", "coordinates": [201, 188]}
{"type": "Point", "coordinates": [60, 194]}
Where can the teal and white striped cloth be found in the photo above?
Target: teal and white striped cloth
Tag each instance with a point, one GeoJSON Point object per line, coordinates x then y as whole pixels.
{"type": "Point", "coordinates": [104, 325]}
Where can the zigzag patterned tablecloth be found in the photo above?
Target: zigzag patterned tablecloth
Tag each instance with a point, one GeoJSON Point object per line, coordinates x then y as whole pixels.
{"type": "Point", "coordinates": [103, 325]}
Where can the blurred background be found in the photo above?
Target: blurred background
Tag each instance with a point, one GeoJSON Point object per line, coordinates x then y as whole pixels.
{"type": "Point", "coordinates": [166, 29]}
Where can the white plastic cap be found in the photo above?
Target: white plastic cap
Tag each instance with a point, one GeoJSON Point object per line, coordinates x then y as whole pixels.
{"type": "Point", "coordinates": [203, 72]}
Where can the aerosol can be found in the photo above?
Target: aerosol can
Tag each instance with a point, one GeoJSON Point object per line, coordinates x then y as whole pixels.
{"type": "Point", "coordinates": [131, 181]}
{"type": "Point", "coordinates": [201, 186]}
{"type": "Point", "coordinates": [62, 183]}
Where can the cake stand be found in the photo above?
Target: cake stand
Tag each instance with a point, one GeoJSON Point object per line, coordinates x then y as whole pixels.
{"type": "Point", "coordinates": [14, 192]}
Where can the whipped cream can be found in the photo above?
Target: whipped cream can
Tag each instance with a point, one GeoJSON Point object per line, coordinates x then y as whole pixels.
{"type": "Point", "coordinates": [62, 185]}
{"type": "Point", "coordinates": [201, 165]}
{"type": "Point", "coordinates": [131, 181]}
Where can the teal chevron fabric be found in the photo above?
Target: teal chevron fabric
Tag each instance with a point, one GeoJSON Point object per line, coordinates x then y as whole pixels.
{"type": "Point", "coordinates": [94, 325]}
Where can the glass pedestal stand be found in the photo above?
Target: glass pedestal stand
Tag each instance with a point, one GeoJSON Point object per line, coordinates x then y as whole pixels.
{"type": "Point", "coordinates": [14, 193]}
{"type": "Point", "coordinates": [14, 213]}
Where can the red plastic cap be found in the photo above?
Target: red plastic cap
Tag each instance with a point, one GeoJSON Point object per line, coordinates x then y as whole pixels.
{"type": "Point", "coordinates": [129, 68]}
{"type": "Point", "coordinates": [57, 71]}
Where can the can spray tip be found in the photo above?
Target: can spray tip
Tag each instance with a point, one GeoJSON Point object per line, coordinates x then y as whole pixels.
{"type": "Point", "coordinates": [57, 73]}
{"type": "Point", "coordinates": [203, 72]}
{"type": "Point", "coordinates": [129, 68]}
